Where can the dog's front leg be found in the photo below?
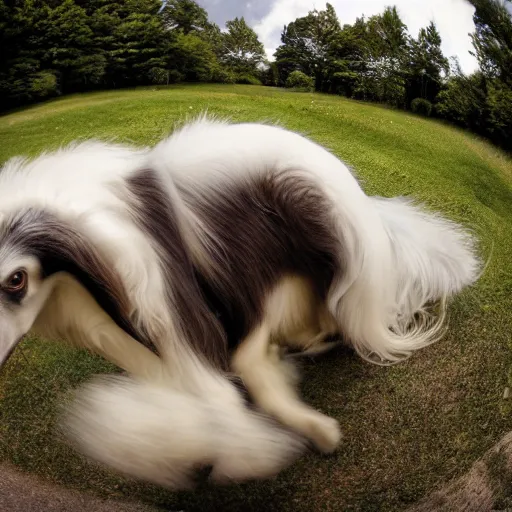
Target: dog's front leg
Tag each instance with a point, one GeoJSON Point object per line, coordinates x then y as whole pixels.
{"type": "Point", "coordinates": [72, 314]}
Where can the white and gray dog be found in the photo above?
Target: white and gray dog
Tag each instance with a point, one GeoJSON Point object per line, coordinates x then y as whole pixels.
{"type": "Point", "coordinates": [191, 265]}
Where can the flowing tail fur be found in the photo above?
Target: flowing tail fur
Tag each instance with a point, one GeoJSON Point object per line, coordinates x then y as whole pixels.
{"type": "Point", "coordinates": [158, 433]}
{"type": "Point", "coordinates": [410, 262]}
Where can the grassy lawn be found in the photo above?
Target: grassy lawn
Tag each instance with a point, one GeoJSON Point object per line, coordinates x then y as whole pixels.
{"type": "Point", "coordinates": [408, 428]}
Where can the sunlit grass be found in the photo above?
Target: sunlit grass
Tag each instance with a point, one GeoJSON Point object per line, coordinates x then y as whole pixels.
{"type": "Point", "coordinates": [406, 428]}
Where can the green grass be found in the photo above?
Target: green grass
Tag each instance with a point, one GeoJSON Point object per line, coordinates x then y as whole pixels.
{"type": "Point", "coordinates": [407, 428]}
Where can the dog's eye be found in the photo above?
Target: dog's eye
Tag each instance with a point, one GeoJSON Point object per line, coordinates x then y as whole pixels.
{"type": "Point", "coordinates": [16, 282]}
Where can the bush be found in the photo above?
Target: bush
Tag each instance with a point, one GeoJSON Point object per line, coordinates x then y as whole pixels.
{"type": "Point", "coordinates": [499, 120]}
{"type": "Point", "coordinates": [175, 76]}
{"type": "Point", "coordinates": [463, 101]}
{"type": "Point", "coordinates": [299, 80]}
{"type": "Point", "coordinates": [421, 106]}
{"type": "Point", "coordinates": [222, 75]}
{"type": "Point", "coordinates": [44, 85]}
{"type": "Point", "coordinates": [245, 78]}
{"type": "Point", "coordinates": [158, 76]}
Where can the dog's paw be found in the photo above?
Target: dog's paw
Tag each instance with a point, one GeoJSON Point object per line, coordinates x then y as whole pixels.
{"type": "Point", "coordinates": [325, 433]}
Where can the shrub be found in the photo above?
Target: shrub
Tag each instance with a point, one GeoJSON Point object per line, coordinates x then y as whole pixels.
{"type": "Point", "coordinates": [222, 75]}
{"type": "Point", "coordinates": [299, 80]}
{"type": "Point", "coordinates": [175, 76]}
{"type": "Point", "coordinates": [421, 106]}
{"type": "Point", "coordinates": [44, 84]}
{"type": "Point", "coordinates": [245, 78]}
{"type": "Point", "coordinates": [499, 120]}
{"type": "Point", "coordinates": [158, 76]}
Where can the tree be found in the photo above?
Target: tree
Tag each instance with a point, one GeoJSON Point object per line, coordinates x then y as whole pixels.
{"type": "Point", "coordinates": [499, 106]}
{"type": "Point", "coordinates": [242, 51]}
{"type": "Point", "coordinates": [385, 58]}
{"type": "Point", "coordinates": [306, 45]}
{"type": "Point", "coordinates": [192, 58]}
{"type": "Point", "coordinates": [50, 47]}
{"type": "Point", "coordinates": [492, 38]}
{"type": "Point", "coordinates": [463, 101]}
{"type": "Point", "coordinates": [345, 61]}
{"type": "Point", "coordinates": [427, 65]}
{"type": "Point", "coordinates": [295, 53]}
{"type": "Point", "coordinates": [482, 102]}
{"type": "Point", "coordinates": [492, 41]}
{"type": "Point", "coordinates": [22, 30]}
{"type": "Point", "coordinates": [140, 43]}
{"type": "Point", "coordinates": [130, 36]}
{"type": "Point", "coordinates": [213, 36]}
{"type": "Point", "coordinates": [269, 74]}
{"type": "Point", "coordinates": [67, 46]}
{"type": "Point", "coordinates": [184, 15]}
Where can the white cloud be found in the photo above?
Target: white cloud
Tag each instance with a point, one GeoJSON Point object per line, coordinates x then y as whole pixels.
{"type": "Point", "coordinates": [454, 20]}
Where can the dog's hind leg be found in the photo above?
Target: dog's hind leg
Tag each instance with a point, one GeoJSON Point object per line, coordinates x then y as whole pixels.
{"type": "Point", "coordinates": [317, 347]}
{"type": "Point", "coordinates": [300, 319]}
{"type": "Point", "coordinates": [272, 388]}
{"type": "Point", "coordinates": [270, 381]}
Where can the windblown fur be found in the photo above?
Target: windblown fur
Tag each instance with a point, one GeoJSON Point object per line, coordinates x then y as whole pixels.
{"type": "Point", "coordinates": [191, 261]}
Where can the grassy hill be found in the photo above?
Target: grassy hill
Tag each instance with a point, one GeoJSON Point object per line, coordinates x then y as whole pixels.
{"type": "Point", "coordinates": [408, 428]}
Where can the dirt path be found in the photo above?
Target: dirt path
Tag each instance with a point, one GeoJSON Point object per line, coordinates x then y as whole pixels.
{"type": "Point", "coordinates": [486, 487]}
{"type": "Point", "coordinates": [20, 492]}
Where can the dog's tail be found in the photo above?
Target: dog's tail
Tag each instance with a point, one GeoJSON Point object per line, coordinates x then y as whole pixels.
{"type": "Point", "coordinates": [156, 433]}
{"type": "Point", "coordinates": [401, 266]}
{"type": "Point", "coordinates": [434, 258]}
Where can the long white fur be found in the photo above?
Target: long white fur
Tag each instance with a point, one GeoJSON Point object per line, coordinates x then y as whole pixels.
{"type": "Point", "coordinates": [150, 427]}
{"type": "Point", "coordinates": [399, 259]}
{"type": "Point", "coordinates": [151, 431]}
{"type": "Point", "coordinates": [366, 300]}
{"type": "Point", "coordinates": [433, 257]}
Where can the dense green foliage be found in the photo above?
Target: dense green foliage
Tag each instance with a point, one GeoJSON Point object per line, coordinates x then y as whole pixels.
{"type": "Point", "coordinates": [242, 49]}
{"type": "Point", "coordinates": [54, 47]}
{"type": "Point", "coordinates": [482, 102]}
{"type": "Point", "coordinates": [299, 80]}
{"type": "Point", "coordinates": [421, 106]}
{"type": "Point", "coordinates": [376, 59]}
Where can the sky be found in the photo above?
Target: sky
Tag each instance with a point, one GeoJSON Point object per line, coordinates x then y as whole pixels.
{"type": "Point", "coordinates": [454, 19]}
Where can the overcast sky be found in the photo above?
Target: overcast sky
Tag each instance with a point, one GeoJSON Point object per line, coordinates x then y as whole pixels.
{"type": "Point", "coordinates": [454, 18]}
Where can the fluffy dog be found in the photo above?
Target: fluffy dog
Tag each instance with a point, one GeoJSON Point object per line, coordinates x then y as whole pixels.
{"type": "Point", "coordinates": [192, 262]}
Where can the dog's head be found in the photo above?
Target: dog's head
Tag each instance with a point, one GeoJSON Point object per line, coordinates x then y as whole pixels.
{"type": "Point", "coordinates": [23, 293]}
{"type": "Point", "coordinates": [24, 285]}
{"type": "Point", "coordinates": [37, 249]}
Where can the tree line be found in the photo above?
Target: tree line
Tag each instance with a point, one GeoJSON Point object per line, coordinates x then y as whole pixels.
{"type": "Point", "coordinates": [54, 47]}
{"type": "Point", "coordinates": [376, 59]}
